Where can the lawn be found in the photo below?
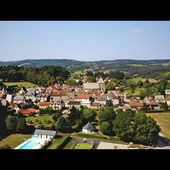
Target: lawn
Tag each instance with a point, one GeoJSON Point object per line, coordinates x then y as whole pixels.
{"type": "Point", "coordinates": [83, 146]}
{"type": "Point", "coordinates": [99, 136]}
{"type": "Point", "coordinates": [44, 120]}
{"type": "Point", "coordinates": [58, 141]}
{"type": "Point", "coordinates": [20, 84]}
{"type": "Point", "coordinates": [163, 120]}
{"type": "Point", "coordinates": [14, 140]}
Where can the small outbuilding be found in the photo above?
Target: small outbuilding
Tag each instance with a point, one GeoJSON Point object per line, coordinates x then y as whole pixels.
{"type": "Point", "coordinates": [88, 128]}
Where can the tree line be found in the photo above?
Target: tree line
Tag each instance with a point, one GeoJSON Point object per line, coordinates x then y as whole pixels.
{"type": "Point", "coordinates": [44, 76]}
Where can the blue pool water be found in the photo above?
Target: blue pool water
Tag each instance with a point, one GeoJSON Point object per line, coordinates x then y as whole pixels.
{"type": "Point", "coordinates": [29, 145]}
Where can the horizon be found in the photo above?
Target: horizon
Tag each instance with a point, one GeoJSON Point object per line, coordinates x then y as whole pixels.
{"type": "Point", "coordinates": [84, 40]}
{"type": "Point", "coordinates": [81, 60]}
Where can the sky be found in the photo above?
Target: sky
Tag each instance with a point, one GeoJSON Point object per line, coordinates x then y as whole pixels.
{"type": "Point", "coordinates": [84, 40]}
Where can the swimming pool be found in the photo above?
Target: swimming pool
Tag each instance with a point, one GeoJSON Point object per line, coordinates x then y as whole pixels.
{"type": "Point", "coordinates": [31, 143]}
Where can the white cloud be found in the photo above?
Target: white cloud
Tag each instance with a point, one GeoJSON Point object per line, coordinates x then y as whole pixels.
{"type": "Point", "coordinates": [136, 30]}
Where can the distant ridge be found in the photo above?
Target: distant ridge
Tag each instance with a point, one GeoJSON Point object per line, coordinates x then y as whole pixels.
{"type": "Point", "coordinates": [71, 62]}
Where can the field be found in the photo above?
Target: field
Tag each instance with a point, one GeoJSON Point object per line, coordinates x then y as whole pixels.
{"type": "Point", "coordinates": [20, 84]}
{"type": "Point", "coordinates": [14, 140]}
{"type": "Point", "coordinates": [83, 146]}
{"type": "Point", "coordinates": [59, 140]}
{"type": "Point", "coordinates": [163, 120]}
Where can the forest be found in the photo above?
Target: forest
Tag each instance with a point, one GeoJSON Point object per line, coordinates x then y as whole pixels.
{"type": "Point", "coordinates": [44, 76]}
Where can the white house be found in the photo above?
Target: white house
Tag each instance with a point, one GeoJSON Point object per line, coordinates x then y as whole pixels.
{"type": "Point", "coordinates": [88, 128]}
{"type": "Point", "coordinates": [45, 134]}
{"type": "Point", "coordinates": [167, 91]}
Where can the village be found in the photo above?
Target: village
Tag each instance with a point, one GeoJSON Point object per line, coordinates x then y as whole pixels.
{"type": "Point", "coordinates": [30, 102]}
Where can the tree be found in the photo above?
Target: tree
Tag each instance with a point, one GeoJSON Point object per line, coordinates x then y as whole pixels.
{"type": "Point", "coordinates": [71, 82]}
{"type": "Point", "coordinates": [91, 79]}
{"type": "Point", "coordinates": [135, 127]}
{"type": "Point", "coordinates": [21, 125]}
{"type": "Point", "coordinates": [146, 129]}
{"type": "Point", "coordinates": [61, 124]}
{"type": "Point", "coordinates": [106, 114]}
{"type": "Point", "coordinates": [122, 125]}
{"type": "Point", "coordinates": [106, 128]}
{"type": "Point", "coordinates": [74, 115]}
{"type": "Point", "coordinates": [164, 106]}
{"type": "Point", "coordinates": [89, 114]}
{"type": "Point", "coordinates": [3, 114]}
{"type": "Point", "coordinates": [116, 75]}
{"type": "Point", "coordinates": [110, 86]}
{"type": "Point", "coordinates": [11, 123]}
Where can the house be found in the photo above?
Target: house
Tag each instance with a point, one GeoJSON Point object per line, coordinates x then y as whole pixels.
{"type": "Point", "coordinates": [27, 112]}
{"type": "Point", "coordinates": [9, 98]}
{"type": "Point", "coordinates": [76, 104]}
{"type": "Point", "coordinates": [45, 134]}
{"type": "Point", "coordinates": [95, 105]}
{"type": "Point", "coordinates": [159, 98]}
{"type": "Point", "coordinates": [56, 102]}
{"type": "Point", "coordinates": [167, 91]}
{"type": "Point", "coordinates": [136, 104]}
{"type": "Point", "coordinates": [88, 128]}
{"type": "Point", "coordinates": [19, 99]}
{"type": "Point", "coordinates": [4, 102]}
{"type": "Point", "coordinates": [43, 105]}
{"type": "Point", "coordinates": [167, 101]}
{"type": "Point", "coordinates": [101, 99]}
{"type": "Point", "coordinates": [84, 99]}
{"type": "Point", "coordinates": [153, 105]}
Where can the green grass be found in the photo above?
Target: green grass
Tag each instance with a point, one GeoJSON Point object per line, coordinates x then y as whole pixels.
{"type": "Point", "coordinates": [57, 142]}
{"type": "Point", "coordinates": [163, 120]}
{"type": "Point", "coordinates": [14, 140]}
{"type": "Point", "coordinates": [70, 144]}
{"type": "Point", "coordinates": [90, 135]}
{"type": "Point", "coordinates": [83, 146]}
{"type": "Point", "coordinates": [20, 84]}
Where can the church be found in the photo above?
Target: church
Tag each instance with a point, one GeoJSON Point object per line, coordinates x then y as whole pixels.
{"type": "Point", "coordinates": [99, 85]}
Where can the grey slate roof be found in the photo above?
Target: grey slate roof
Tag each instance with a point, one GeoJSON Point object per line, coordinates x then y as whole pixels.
{"type": "Point", "coordinates": [88, 126]}
{"type": "Point", "coordinates": [89, 86]}
{"type": "Point", "coordinates": [45, 132]}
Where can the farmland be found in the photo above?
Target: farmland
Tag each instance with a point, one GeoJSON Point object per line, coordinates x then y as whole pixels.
{"type": "Point", "coordinates": [20, 84]}
{"type": "Point", "coordinates": [163, 120]}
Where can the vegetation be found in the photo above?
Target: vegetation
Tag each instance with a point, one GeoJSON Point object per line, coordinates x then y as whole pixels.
{"type": "Point", "coordinates": [83, 146]}
{"type": "Point", "coordinates": [57, 142]}
{"type": "Point", "coordinates": [162, 120]}
{"type": "Point", "coordinates": [135, 127]}
{"type": "Point", "coordinates": [20, 84]}
{"type": "Point", "coordinates": [45, 75]}
{"type": "Point", "coordinates": [14, 140]}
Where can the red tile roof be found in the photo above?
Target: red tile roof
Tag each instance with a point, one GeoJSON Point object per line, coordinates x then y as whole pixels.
{"type": "Point", "coordinates": [167, 99]}
{"type": "Point", "coordinates": [82, 96]}
{"type": "Point", "coordinates": [44, 103]}
{"type": "Point", "coordinates": [28, 111]}
{"type": "Point", "coordinates": [135, 103]}
{"type": "Point", "coordinates": [153, 103]}
{"type": "Point", "coordinates": [96, 104]}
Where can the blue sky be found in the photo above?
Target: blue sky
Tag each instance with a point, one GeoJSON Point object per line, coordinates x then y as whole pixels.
{"type": "Point", "coordinates": [84, 40]}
